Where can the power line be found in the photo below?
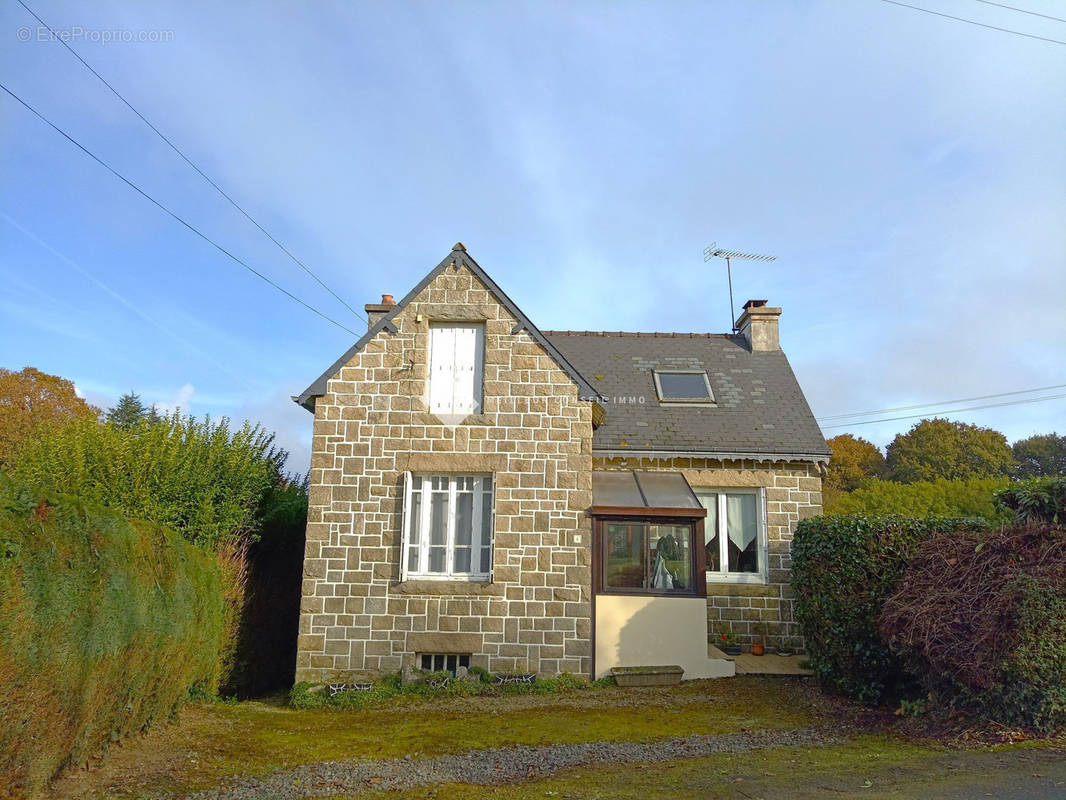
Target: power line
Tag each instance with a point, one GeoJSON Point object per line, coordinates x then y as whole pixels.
{"type": "Point", "coordinates": [176, 149]}
{"type": "Point", "coordinates": [971, 22]}
{"type": "Point", "coordinates": [1021, 10]}
{"type": "Point", "coordinates": [942, 402]}
{"type": "Point", "coordinates": [162, 207]}
{"type": "Point", "coordinates": [948, 411]}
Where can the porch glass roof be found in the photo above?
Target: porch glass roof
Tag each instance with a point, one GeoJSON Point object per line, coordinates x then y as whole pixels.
{"type": "Point", "coordinates": [636, 490]}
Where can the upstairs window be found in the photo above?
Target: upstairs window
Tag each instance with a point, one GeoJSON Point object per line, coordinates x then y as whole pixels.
{"type": "Point", "coordinates": [447, 526]}
{"type": "Point", "coordinates": [683, 386]}
{"type": "Point", "coordinates": [456, 368]}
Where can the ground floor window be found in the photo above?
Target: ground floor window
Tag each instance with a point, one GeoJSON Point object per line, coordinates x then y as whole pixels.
{"type": "Point", "coordinates": [734, 534]}
{"type": "Point", "coordinates": [448, 526]}
{"type": "Point", "coordinates": [648, 557]}
{"type": "Point", "coordinates": [443, 662]}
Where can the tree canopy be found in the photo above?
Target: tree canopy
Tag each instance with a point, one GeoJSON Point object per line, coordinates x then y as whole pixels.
{"type": "Point", "coordinates": [31, 401]}
{"type": "Point", "coordinates": [127, 412]}
{"type": "Point", "coordinates": [854, 459]}
{"type": "Point", "coordinates": [1040, 456]}
{"type": "Point", "coordinates": [940, 448]}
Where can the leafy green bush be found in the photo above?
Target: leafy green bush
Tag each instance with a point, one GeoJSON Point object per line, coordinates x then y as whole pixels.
{"type": "Point", "coordinates": [193, 476]}
{"type": "Point", "coordinates": [972, 497]}
{"type": "Point", "coordinates": [843, 570]}
{"type": "Point", "coordinates": [105, 626]}
{"type": "Point", "coordinates": [1036, 500]}
{"type": "Point", "coordinates": [981, 619]}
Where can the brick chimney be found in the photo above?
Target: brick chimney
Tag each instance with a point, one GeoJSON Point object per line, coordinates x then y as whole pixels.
{"type": "Point", "coordinates": [758, 324]}
{"type": "Point", "coordinates": [375, 311]}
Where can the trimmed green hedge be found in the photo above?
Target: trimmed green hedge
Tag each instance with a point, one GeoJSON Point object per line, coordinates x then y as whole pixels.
{"type": "Point", "coordinates": [105, 625]}
{"type": "Point", "coordinates": [973, 497]}
{"type": "Point", "coordinates": [843, 570]}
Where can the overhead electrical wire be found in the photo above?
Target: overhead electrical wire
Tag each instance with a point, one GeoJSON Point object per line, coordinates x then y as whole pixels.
{"type": "Point", "coordinates": [189, 161]}
{"type": "Point", "coordinates": [942, 402]}
{"type": "Point", "coordinates": [972, 22]}
{"type": "Point", "coordinates": [1020, 10]}
{"type": "Point", "coordinates": [163, 208]}
{"type": "Point", "coordinates": [948, 411]}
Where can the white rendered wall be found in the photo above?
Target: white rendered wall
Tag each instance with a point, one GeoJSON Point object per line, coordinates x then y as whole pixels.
{"type": "Point", "coordinates": [633, 631]}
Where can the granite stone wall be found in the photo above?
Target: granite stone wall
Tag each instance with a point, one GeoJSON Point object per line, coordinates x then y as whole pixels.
{"type": "Point", "coordinates": [534, 435]}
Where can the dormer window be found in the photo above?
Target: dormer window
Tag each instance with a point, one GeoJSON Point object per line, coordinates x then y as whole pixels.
{"type": "Point", "coordinates": [688, 386]}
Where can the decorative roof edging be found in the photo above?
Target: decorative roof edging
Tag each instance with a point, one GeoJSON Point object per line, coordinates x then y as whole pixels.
{"type": "Point", "coordinates": [720, 455]}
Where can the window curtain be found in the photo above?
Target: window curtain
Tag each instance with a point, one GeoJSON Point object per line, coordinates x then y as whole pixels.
{"type": "Point", "coordinates": [741, 523]}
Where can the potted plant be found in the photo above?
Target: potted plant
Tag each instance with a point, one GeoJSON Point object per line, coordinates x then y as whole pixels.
{"type": "Point", "coordinates": [788, 646]}
{"type": "Point", "coordinates": [759, 631]}
{"type": "Point", "coordinates": [727, 642]}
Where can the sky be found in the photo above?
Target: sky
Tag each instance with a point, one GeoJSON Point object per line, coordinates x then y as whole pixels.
{"type": "Point", "coordinates": [908, 172]}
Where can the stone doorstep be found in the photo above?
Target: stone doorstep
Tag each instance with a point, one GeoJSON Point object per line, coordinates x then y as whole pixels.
{"type": "Point", "coordinates": [648, 676]}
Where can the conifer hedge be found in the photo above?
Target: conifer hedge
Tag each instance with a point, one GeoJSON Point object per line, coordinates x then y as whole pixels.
{"type": "Point", "coordinates": [105, 625]}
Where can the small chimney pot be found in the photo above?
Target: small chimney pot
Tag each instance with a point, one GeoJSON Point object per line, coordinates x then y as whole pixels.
{"type": "Point", "coordinates": [375, 311]}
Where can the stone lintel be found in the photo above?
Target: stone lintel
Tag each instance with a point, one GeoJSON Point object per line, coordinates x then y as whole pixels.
{"type": "Point", "coordinates": [448, 588]}
{"type": "Point", "coordinates": [444, 642]}
{"type": "Point", "coordinates": [455, 462]}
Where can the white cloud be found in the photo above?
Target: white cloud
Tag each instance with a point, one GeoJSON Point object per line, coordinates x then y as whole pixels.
{"type": "Point", "coordinates": [181, 400]}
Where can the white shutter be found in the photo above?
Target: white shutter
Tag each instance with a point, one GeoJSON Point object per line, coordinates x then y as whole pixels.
{"type": "Point", "coordinates": [405, 524]}
{"type": "Point", "coordinates": [457, 353]}
{"type": "Point", "coordinates": [441, 368]}
{"type": "Point", "coordinates": [465, 360]}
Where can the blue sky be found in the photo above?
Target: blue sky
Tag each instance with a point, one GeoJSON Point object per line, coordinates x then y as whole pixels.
{"type": "Point", "coordinates": [908, 171]}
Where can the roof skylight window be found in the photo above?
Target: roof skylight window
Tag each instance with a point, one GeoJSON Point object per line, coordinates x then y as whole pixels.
{"type": "Point", "coordinates": [683, 386]}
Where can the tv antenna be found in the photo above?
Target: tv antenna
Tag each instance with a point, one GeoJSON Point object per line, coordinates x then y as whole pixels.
{"type": "Point", "coordinates": [714, 251]}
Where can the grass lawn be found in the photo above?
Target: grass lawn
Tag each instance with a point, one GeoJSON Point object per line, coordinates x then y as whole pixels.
{"type": "Point", "coordinates": [212, 742]}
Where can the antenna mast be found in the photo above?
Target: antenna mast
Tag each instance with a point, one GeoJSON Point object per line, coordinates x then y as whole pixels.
{"type": "Point", "coordinates": [714, 251]}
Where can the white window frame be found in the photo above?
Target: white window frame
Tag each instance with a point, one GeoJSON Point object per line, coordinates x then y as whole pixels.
{"type": "Point", "coordinates": [762, 548]}
{"type": "Point", "coordinates": [482, 483]}
{"type": "Point", "coordinates": [684, 401]}
{"type": "Point", "coordinates": [478, 398]}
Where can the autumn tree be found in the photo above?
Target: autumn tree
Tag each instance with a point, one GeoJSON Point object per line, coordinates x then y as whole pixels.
{"type": "Point", "coordinates": [940, 448]}
{"type": "Point", "coordinates": [853, 459]}
{"type": "Point", "coordinates": [1040, 456]}
{"type": "Point", "coordinates": [32, 401]}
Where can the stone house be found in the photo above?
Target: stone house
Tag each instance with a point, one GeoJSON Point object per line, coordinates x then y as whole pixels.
{"type": "Point", "coordinates": [484, 493]}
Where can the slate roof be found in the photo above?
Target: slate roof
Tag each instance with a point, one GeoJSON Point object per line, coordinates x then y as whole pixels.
{"type": "Point", "coordinates": [760, 408]}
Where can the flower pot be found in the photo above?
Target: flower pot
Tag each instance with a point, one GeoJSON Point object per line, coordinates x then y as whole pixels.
{"type": "Point", "coordinates": [756, 648]}
{"type": "Point", "coordinates": [731, 649]}
{"type": "Point", "coordinates": [784, 651]}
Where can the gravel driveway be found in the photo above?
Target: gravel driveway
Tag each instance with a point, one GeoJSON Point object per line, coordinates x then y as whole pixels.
{"type": "Point", "coordinates": [495, 766]}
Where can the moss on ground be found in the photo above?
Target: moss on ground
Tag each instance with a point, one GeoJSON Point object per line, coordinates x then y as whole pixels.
{"type": "Point", "coordinates": [212, 742]}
